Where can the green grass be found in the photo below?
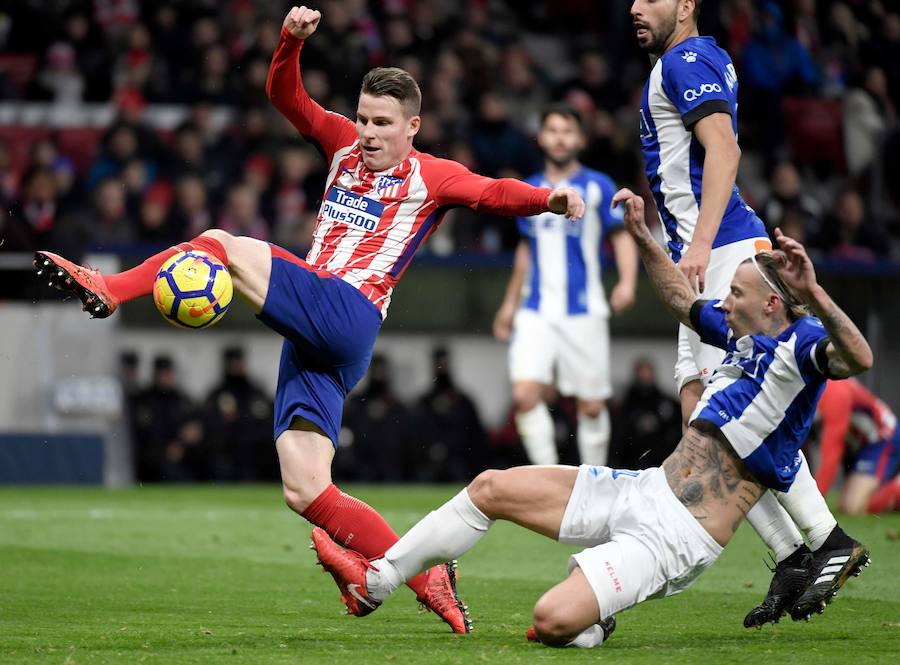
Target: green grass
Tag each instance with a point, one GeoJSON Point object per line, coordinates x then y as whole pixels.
{"type": "Point", "coordinates": [198, 575]}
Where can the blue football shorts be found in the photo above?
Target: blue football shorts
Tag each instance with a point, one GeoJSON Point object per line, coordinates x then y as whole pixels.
{"type": "Point", "coordinates": [329, 329]}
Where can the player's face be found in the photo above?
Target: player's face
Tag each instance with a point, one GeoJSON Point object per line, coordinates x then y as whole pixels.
{"type": "Point", "coordinates": [747, 303]}
{"type": "Point", "coordinates": [561, 139]}
{"type": "Point", "coordinates": [654, 22]}
{"type": "Point", "coordinates": [385, 133]}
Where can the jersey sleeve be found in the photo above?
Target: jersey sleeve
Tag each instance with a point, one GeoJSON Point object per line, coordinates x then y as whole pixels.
{"type": "Point", "coordinates": [695, 85]}
{"type": "Point", "coordinates": [811, 347]}
{"type": "Point", "coordinates": [455, 185]}
{"type": "Point", "coordinates": [611, 219]}
{"type": "Point", "coordinates": [327, 130]}
{"type": "Point", "coordinates": [835, 408]}
{"type": "Point", "coordinates": [708, 320]}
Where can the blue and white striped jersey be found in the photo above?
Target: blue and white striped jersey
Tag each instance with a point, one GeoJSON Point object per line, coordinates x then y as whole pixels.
{"type": "Point", "coordinates": [691, 81]}
{"type": "Point", "coordinates": [763, 396]}
{"type": "Point", "coordinates": [565, 254]}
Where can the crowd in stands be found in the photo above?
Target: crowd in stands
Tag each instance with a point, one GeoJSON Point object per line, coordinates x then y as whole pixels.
{"type": "Point", "coordinates": [819, 92]}
{"type": "Point", "coordinates": [438, 437]}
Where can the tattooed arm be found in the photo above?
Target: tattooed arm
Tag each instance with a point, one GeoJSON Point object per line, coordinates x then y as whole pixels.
{"type": "Point", "coordinates": [848, 353]}
{"type": "Point", "coordinates": [670, 284]}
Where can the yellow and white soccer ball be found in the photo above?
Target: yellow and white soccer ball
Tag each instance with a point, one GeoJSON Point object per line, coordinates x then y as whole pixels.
{"type": "Point", "coordinates": [193, 290]}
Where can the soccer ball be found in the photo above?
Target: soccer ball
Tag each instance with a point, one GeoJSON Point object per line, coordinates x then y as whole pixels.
{"type": "Point", "coordinates": [192, 290]}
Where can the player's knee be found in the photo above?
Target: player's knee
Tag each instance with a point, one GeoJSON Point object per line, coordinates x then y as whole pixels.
{"type": "Point", "coordinates": [298, 498]}
{"type": "Point", "coordinates": [526, 396]}
{"type": "Point", "coordinates": [592, 408]}
{"type": "Point", "coordinates": [553, 622]}
{"type": "Point", "coordinates": [486, 490]}
{"type": "Point", "coordinates": [223, 237]}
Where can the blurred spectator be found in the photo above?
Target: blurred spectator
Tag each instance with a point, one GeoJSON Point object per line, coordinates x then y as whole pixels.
{"type": "Point", "coordinates": [60, 81]}
{"type": "Point", "coordinates": [868, 111]}
{"type": "Point", "coordinates": [168, 432]}
{"type": "Point", "coordinates": [241, 216]}
{"type": "Point", "coordinates": [121, 145]}
{"type": "Point", "coordinates": [194, 152]}
{"type": "Point", "coordinates": [500, 148]}
{"type": "Point", "coordinates": [91, 54]}
{"type": "Point", "coordinates": [379, 428]}
{"type": "Point", "coordinates": [155, 222]}
{"type": "Point", "coordinates": [239, 425]}
{"type": "Point", "coordinates": [292, 197]}
{"type": "Point", "coordinates": [191, 215]}
{"type": "Point", "coordinates": [646, 423]}
{"type": "Point", "coordinates": [789, 204]}
{"type": "Point", "coordinates": [773, 64]}
{"type": "Point", "coordinates": [38, 221]}
{"type": "Point", "coordinates": [258, 175]}
{"type": "Point", "coordinates": [9, 177]}
{"type": "Point", "coordinates": [451, 443]}
{"type": "Point", "coordinates": [111, 224]}
{"type": "Point", "coordinates": [848, 234]}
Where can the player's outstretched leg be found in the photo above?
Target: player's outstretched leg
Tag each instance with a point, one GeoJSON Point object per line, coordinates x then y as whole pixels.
{"type": "Point", "coordinates": [839, 557]}
{"type": "Point", "coordinates": [248, 260]}
{"type": "Point", "coordinates": [791, 578]}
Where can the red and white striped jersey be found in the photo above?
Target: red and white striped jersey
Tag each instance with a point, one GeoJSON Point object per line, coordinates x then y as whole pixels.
{"type": "Point", "coordinates": [851, 417]}
{"type": "Point", "coordinates": [371, 223]}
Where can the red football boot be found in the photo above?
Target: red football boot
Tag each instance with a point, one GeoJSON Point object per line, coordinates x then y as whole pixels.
{"type": "Point", "coordinates": [441, 597]}
{"type": "Point", "coordinates": [85, 283]}
{"type": "Point", "coordinates": [348, 568]}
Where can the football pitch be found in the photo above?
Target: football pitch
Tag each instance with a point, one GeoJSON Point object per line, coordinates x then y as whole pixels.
{"type": "Point", "coordinates": [223, 575]}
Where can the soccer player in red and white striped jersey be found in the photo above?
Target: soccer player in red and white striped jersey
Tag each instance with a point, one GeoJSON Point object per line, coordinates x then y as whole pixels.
{"type": "Point", "coordinates": [383, 198]}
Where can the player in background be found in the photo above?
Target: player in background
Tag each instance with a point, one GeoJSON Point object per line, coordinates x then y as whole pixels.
{"type": "Point", "coordinates": [560, 318]}
{"type": "Point", "coordinates": [858, 429]}
{"type": "Point", "coordinates": [382, 200]}
{"type": "Point", "coordinates": [688, 128]}
{"type": "Point", "coordinates": [651, 533]}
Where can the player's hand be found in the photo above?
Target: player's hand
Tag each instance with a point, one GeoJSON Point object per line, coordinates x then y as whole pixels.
{"type": "Point", "coordinates": [566, 201]}
{"type": "Point", "coordinates": [634, 214]}
{"type": "Point", "coordinates": [693, 265]}
{"type": "Point", "coordinates": [302, 21]}
{"type": "Point", "coordinates": [621, 297]}
{"type": "Point", "coordinates": [503, 322]}
{"type": "Point", "coordinates": [794, 264]}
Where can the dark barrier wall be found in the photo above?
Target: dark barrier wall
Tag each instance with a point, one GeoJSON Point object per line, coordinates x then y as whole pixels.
{"type": "Point", "coordinates": [38, 459]}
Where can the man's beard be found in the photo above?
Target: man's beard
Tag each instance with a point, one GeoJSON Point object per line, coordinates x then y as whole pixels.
{"type": "Point", "coordinates": [563, 161]}
{"type": "Point", "coordinates": [660, 37]}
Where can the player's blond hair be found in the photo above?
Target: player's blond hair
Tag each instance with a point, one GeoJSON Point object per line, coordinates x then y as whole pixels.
{"type": "Point", "coordinates": [767, 263]}
{"type": "Point", "coordinates": [397, 83]}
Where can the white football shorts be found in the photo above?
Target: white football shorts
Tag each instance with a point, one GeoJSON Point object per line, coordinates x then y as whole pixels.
{"type": "Point", "coordinates": [642, 542]}
{"type": "Point", "coordinates": [697, 360]}
{"type": "Point", "coordinates": [576, 346]}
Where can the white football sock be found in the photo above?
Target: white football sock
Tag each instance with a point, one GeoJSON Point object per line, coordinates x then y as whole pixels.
{"type": "Point", "coordinates": [537, 433]}
{"type": "Point", "coordinates": [807, 507]}
{"type": "Point", "coordinates": [442, 535]}
{"type": "Point", "coordinates": [588, 638]}
{"type": "Point", "coordinates": [775, 526]}
{"type": "Point", "coordinates": [593, 438]}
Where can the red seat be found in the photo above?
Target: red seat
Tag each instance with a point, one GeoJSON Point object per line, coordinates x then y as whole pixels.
{"type": "Point", "coordinates": [81, 144]}
{"type": "Point", "coordinates": [814, 130]}
{"type": "Point", "coordinates": [19, 68]}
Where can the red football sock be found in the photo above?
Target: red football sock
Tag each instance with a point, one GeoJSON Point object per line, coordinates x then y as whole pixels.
{"type": "Point", "coordinates": [356, 525]}
{"type": "Point", "coordinates": [885, 498]}
{"type": "Point", "coordinates": [138, 281]}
